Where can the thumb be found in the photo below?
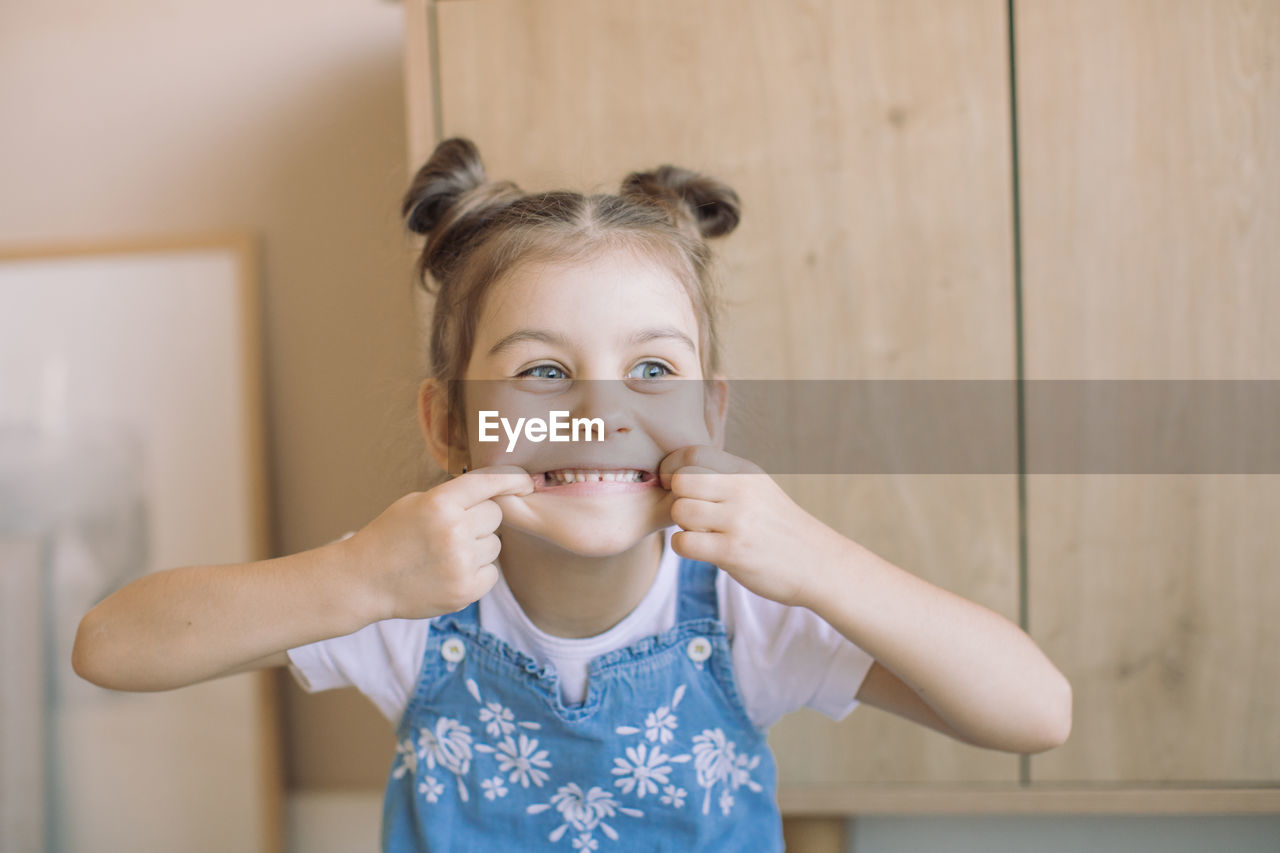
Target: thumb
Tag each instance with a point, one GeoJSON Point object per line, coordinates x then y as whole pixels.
{"type": "Point", "coordinates": [515, 512]}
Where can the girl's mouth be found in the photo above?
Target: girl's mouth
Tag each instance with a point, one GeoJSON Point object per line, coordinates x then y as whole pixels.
{"type": "Point", "coordinates": [594, 481]}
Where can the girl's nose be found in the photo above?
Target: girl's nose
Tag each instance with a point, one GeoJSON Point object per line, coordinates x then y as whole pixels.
{"type": "Point", "coordinates": [609, 400]}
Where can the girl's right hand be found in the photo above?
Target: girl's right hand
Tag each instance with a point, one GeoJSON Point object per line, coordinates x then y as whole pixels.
{"type": "Point", "coordinates": [433, 552]}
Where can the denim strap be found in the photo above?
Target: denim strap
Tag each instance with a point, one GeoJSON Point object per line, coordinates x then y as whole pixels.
{"type": "Point", "coordinates": [469, 615]}
{"type": "Point", "coordinates": [697, 596]}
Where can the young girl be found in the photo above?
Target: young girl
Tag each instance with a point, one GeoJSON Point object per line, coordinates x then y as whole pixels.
{"type": "Point", "coordinates": [585, 642]}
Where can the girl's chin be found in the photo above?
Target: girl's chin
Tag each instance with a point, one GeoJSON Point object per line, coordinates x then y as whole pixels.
{"type": "Point", "coordinates": [592, 531]}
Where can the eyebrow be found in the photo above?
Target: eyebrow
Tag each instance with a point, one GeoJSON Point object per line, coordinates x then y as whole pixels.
{"type": "Point", "coordinates": [645, 335]}
{"type": "Point", "coordinates": [641, 337]}
{"type": "Point", "coordinates": [522, 335]}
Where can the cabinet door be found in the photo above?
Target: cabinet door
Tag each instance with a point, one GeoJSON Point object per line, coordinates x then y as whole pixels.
{"type": "Point", "coordinates": [870, 144]}
{"type": "Point", "coordinates": [1150, 175]}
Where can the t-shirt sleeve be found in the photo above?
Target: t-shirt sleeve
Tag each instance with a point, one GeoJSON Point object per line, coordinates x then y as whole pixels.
{"type": "Point", "coordinates": [381, 660]}
{"type": "Point", "coordinates": [787, 658]}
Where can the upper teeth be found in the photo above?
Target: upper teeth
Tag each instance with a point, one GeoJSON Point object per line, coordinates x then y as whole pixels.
{"type": "Point", "coordinates": [587, 475]}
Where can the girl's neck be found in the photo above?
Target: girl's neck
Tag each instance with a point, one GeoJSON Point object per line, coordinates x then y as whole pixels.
{"type": "Point", "coordinates": [569, 595]}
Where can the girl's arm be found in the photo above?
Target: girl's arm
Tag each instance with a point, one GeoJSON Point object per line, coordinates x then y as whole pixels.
{"type": "Point", "coordinates": [942, 660]}
{"type": "Point", "coordinates": [177, 627]}
{"type": "Point", "coordinates": [429, 553]}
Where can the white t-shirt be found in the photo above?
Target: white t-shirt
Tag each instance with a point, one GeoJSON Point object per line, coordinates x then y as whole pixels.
{"type": "Point", "coordinates": [784, 658]}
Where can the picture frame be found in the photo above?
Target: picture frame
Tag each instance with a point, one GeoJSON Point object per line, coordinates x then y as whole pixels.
{"type": "Point", "coordinates": [131, 441]}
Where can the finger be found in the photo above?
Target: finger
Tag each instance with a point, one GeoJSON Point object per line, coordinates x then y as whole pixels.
{"type": "Point", "coordinates": [696, 515]}
{"type": "Point", "coordinates": [726, 463]}
{"type": "Point", "coordinates": [487, 550]}
{"type": "Point", "coordinates": [699, 545]}
{"type": "Point", "coordinates": [484, 483]}
{"type": "Point", "coordinates": [486, 577]}
{"type": "Point", "coordinates": [483, 518]}
{"type": "Point", "coordinates": [700, 483]}
{"type": "Point", "coordinates": [674, 461]}
{"type": "Point", "coordinates": [702, 456]}
{"type": "Point", "coordinates": [516, 513]}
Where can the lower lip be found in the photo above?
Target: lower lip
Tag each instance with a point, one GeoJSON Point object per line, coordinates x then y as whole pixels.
{"type": "Point", "coordinates": [595, 488]}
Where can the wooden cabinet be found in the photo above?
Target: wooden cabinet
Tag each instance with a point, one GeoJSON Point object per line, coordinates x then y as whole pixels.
{"type": "Point", "coordinates": [873, 146]}
{"type": "Point", "coordinates": [1149, 157]}
{"type": "Point", "coordinates": [870, 145]}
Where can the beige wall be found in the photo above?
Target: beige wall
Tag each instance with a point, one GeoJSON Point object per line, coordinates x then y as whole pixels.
{"type": "Point", "coordinates": [145, 118]}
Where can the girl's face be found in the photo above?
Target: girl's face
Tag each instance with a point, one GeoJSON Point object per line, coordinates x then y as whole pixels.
{"type": "Point", "coordinates": [616, 339]}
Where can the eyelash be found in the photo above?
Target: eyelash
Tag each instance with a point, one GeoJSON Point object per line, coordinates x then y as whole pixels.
{"type": "Point", "coordinates": [666, 368]}
{"type": "Point", "coordinates": [529, 372]}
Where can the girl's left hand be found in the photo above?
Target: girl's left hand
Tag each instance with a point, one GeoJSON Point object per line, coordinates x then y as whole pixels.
{"type": "Point", "coordinates": [735, 516]}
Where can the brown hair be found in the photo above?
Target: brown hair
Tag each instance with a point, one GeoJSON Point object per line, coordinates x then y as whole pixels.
{"type": "Point", "coordinates": [477, 230]}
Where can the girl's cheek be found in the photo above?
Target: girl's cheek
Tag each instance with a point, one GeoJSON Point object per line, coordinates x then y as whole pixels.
{"type": "Point", "coordinates": [496, 424]}
{"type": "Point", "coordinates": [677, 418]}
{"type": "Point", "coordinates": [497, 439]}
{"type": "Point", "coordinates": [533, 456]}
{"type": "Point", "coordinates": [673, 433]}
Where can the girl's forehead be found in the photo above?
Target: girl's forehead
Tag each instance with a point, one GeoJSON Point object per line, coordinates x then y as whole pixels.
{"type": "Point", "coordinates": [603, 296]}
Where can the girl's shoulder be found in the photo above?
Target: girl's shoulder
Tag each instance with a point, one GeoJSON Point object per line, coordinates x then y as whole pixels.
{"type": "Point", "coordinates": [785, 657]}
{"type": "Point", "coordinates": [381, 660]}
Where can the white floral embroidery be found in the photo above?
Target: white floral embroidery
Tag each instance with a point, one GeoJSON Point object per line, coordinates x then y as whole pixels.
{"type": "Point", "coordinates": [716, 761]}
{"type": "Point", "coordinates": [584, 811]}
{"type": "Point", "coordinates": [660, 724]}
{"type": "Point", "coordinates": [742, 772]}
{"type": "Point", "coordinates": [408, 755]}
{"type": "Point", "coordinates": [523, 761]}
{"type": "Point", "coordinates": [500, 721]}
{"type": "Point", "coordinates": [714, 757]}
{"type": "Point", "coordinates": [449, 746]}
{"type": "Point", "coordinates": [431, 788]}
{"type": "Point", "coordinates": [494, 788]}
{"type": "Point", "coordinates": [644, 769]}
{"type": "Point", "coordinates": [673, 796]}
{"type": "Point", "coordinates": [499, 718]}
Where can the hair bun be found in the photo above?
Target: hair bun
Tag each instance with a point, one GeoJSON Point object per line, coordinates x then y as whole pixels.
{"type": "Point", "coordinates": [713, 206]}
{"type": "Point", "coordinates": [453, 170]}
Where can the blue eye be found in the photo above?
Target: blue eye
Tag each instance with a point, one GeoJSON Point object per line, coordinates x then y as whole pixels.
{"type": "Point", "coordinates": [545, 371]}
{"type": "Point", "coordinates": [650, 370]}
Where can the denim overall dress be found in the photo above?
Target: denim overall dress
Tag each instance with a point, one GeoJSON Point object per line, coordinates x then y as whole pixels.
{"type": "Point", "coordinates": [659, 756]}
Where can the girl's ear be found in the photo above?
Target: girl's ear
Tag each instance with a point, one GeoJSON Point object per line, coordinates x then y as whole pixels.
{"type": "Point", "coordinates": [716, 409]}
{"type": "Point", "coordinates": [433, 418]}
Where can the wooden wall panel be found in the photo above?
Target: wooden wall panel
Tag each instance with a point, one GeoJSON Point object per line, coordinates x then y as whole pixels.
{"type": "Point", "coordinates": [870, 144]}
{"type": "Point", "coordinates": [1150, 176]}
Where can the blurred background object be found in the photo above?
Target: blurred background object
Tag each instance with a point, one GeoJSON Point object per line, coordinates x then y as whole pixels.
{"type": "Point", "coordinates": [131, 440]}
{"type": "Point", "coordinates": [72, 529]}
{"type": "Point", "coordinates": [287, 121]}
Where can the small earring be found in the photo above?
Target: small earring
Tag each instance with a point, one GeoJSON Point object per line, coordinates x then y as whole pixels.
{"type": "Point", "coordinates": [464, 469]}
